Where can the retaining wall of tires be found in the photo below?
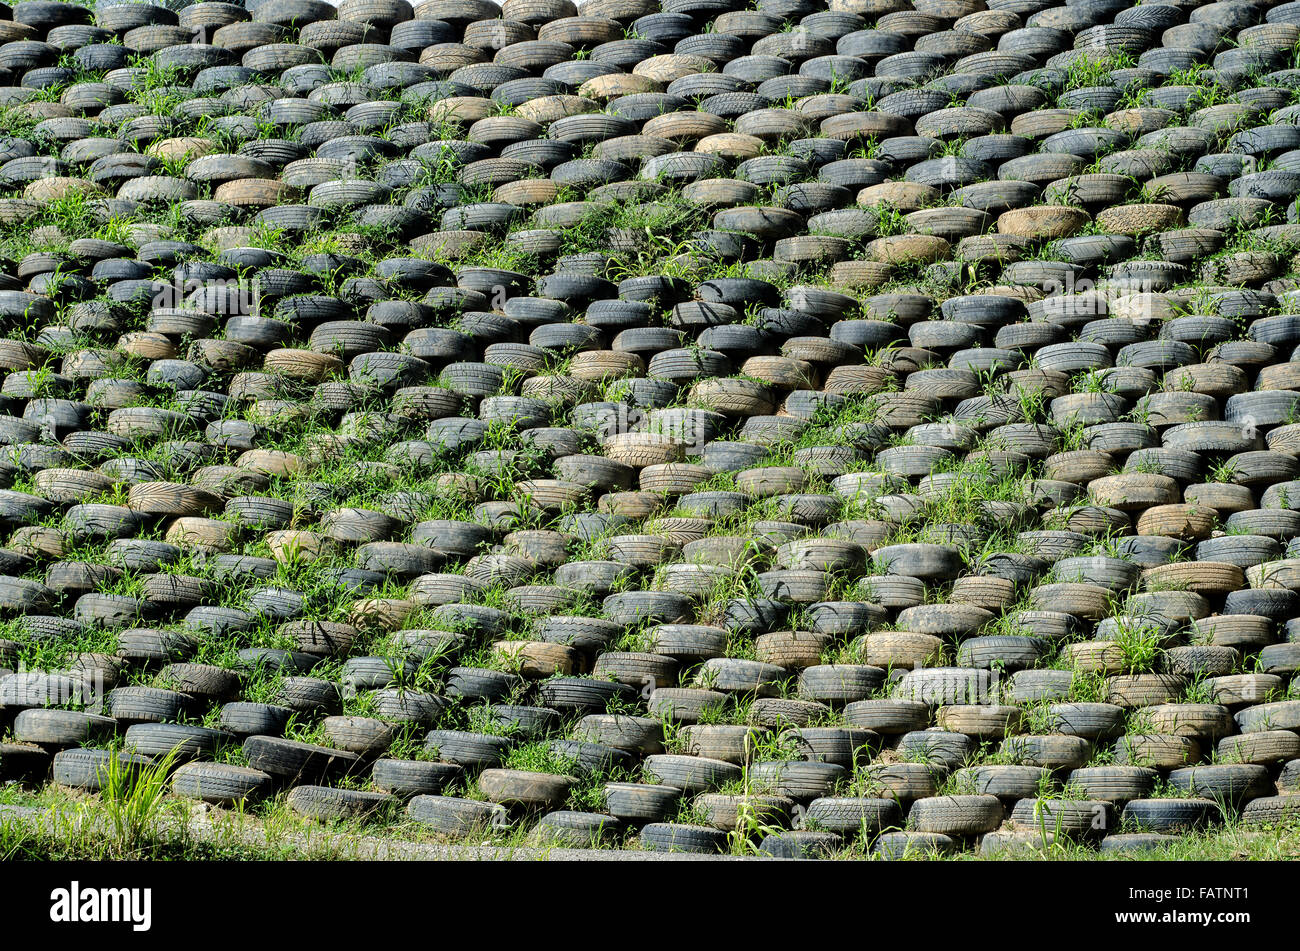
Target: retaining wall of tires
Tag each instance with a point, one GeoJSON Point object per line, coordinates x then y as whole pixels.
{"type": "Point", "coordinates": [814, 429]}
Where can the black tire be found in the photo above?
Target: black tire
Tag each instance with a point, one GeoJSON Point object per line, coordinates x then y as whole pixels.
{"type": "Point", "coordinates": [525, 789]}
{"type": "Point", "coordinates": [690, 773]}
{"type": "Point", "coordinates": [59, 727]}
{"type": "Point", "coordinates": [797, 779]}
{"type": "Point", "coordinates": [638, 803]}
{"type": "Point", "coordinates": [475, 683]}
{"type": "Point", "coordinates": [801, 844]}
{"type": "Point", "coordinates": [183, 742]}
{"type": "Point", "coordinates": [675, 837]}
{"type": "Point", "coordinates": [254, 719]}
{"type": "Point", "coordinates": [473, 751]}
{"type": "Point", "coordinates": [1009, 783]}
{"type": "Point", "coordinates": [292, 761]}
{"type": "Point", "coordinates": [1170, 815]}
{"type": "Point", "coordinates": [913, 845]}
{"type": "Point", "coordinates": [23, 763]}
{"type": "Point", "coordinates": [1232, 784]}
{"type": "Point", "coordinates": [584, 694]}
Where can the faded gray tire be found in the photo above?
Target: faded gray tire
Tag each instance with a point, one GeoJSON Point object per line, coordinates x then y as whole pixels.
{"type": "Point", "coordinates": [470, 750]}
{"type": "Point", "coordinates": [1138, 841]}
{"type": "Point", "coordinates": [529, 790]}
{"type": "Point", "coordinates": [913, 845]}
{"type": "Point", "coordinates": [956, 815]}
{"type": "Point", "coordinates": [920, 560]}
{"type": "Point", "coordinates": [888, 717]}
{"type": "Point", "coordinates": [220, 783]}
{"type": "Point", "coordinates": [578, 830]}
{"type": "Point", "coordinates": [411, 777]}
{"type": "Point", "coordinates": [797, 779]}
{"type": "Point", "coordinates": [1117, 784]}
{"type": "Point", "coordinates": [88, 770]}
{"type": "Point", "coordinates": [1008, 783]}
{"type": "Point", "coordinates": [457, 818]}
{"type": "Point", "coordinates": [839, 683]}
{"type": "Point", "coordinates": [937, 747]}
{"type": "Point", "coordinates": [23, 763]}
